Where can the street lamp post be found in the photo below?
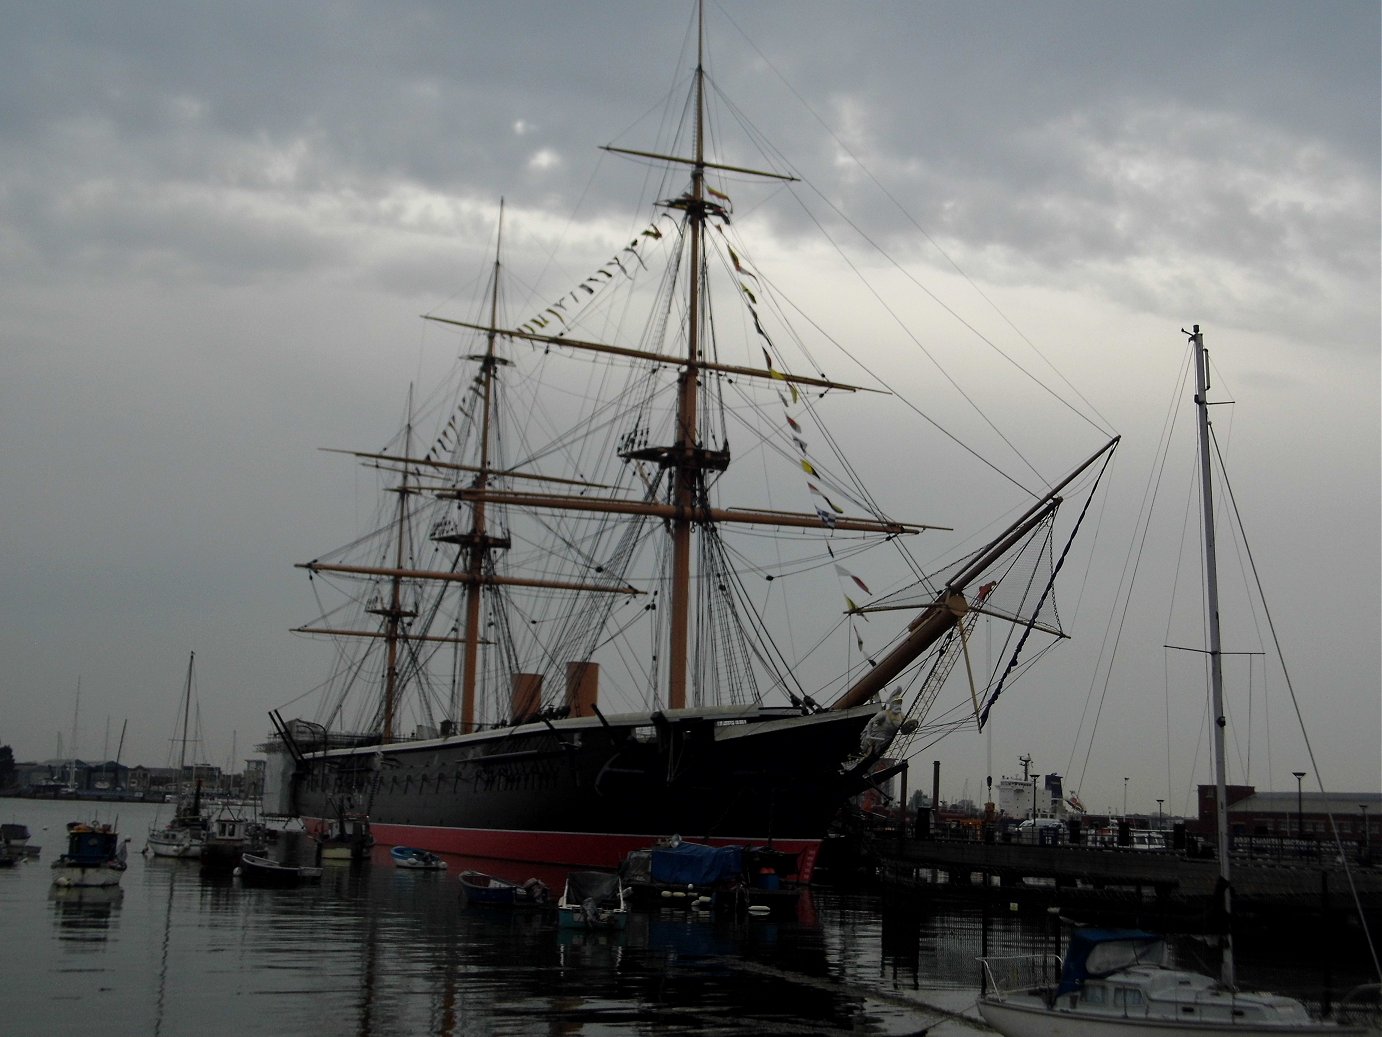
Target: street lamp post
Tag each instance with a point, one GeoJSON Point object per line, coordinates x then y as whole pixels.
{"type": "Point", "coordinates": [1299, 829]}
{"type": "Point", "coordinates": [1125, 799]}
{"type": "Point", "coordinates": [1160, 823]}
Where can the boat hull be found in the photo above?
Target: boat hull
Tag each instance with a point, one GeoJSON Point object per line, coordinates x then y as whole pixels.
{"type": "Point", "coordinates": [183, 844]}
{"type": "Point", "coordinates": [479, 888]}
{"type": "Point", "coordinates": [1029, 1017]}
{"type": "Point", "coordinates": [87, 876]}
{"type": "Point", "coordinates": [585, 792]}
{"type": "Point", "coordinates": [414, 859]}
{"type": "Point", "coordinates": [260, 871]}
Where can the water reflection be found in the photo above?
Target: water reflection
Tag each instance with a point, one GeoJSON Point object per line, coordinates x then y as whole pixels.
{"type": "Point", "coordinates": [376, 950]}
{"type": "Point", "coordinates": [85, 914]}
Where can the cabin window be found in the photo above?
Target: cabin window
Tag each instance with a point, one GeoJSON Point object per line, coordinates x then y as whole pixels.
{"type": "Point", "coordinates": [1126, 997]}
{"type": "Point", "coordinates": [1095, 994]}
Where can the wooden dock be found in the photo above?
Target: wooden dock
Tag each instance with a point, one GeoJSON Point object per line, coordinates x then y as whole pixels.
{"type": "Point", "coordinates": [1118, 885]}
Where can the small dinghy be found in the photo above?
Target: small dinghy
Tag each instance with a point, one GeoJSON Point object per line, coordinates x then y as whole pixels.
{"type": "Point", "coordinates": [416, 860]}
{"type": "Point", "coordinates": [480, 888]}
{"type": "Point", "coordinates": [261, 871]}
{"type": "Point", "coordinates": [593, 900]}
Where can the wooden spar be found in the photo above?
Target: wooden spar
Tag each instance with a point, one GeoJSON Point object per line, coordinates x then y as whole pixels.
{"type": "Point", "coordinates": [452, 466]}
{"type": "Point", "coordinates": [338, 632]}
{"type": "Point", "coordinates": [462, 577]}
{"type": "Point", "coordinates": [657, 358]}
{"type": "Point", "coordinates": [704, 165]}
{"type": "Point", "coordinates": [950, 605]}
{"type": "Point", "coordinates": [972, 608]}
{"type": "Point", "coordinates": [653, 509]}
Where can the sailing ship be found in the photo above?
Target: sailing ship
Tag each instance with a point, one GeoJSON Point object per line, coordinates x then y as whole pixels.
{"type": "Point", "coordinates": [184, 834]}
{"type": "Point", "coordinates": [1116, 982]}
{"type": "Point", "coordinates": [502, 598]}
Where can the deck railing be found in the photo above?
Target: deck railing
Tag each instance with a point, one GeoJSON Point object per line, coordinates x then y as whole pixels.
{"type": "Point", "coordinates": [1021, 973]}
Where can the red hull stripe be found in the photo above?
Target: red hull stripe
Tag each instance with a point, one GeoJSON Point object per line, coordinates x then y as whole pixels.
{"type": "Point", "coordinates": [570, 849]}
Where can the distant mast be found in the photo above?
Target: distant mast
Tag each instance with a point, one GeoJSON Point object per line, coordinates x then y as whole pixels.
{"type": "Point", "coordinates": [72, 748]}
{"type": "Point", "coordinates": [186, 711]}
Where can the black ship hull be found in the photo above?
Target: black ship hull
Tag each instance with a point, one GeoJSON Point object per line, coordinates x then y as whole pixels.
{"type": "Point", "coordinates": [584, 792]}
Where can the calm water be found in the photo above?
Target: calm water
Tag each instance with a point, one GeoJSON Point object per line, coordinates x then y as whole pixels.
{"type": "Point", "coordinates": [374, 950]}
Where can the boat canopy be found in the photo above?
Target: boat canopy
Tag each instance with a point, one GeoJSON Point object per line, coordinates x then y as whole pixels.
{"type": "Point", "coordinates": [591, 885]}
{"type": "Point", "coordinates": [694, 864]}
{"type": "Point", "coordinates": [1094, 953]}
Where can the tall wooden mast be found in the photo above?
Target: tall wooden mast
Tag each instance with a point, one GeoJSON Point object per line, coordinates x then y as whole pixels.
{"type": "Point", "coordinates": [479, 543]}
{"type": "Point", "coordinates": [687, 477]}
{"type": "Point", "coordinates": [394, 612]}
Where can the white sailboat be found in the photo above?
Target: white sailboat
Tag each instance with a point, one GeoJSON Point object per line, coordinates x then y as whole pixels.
{"type": "Point", "coordinates": [1116, 982]}
{"type": "Point", "coordinates": [184, 834]}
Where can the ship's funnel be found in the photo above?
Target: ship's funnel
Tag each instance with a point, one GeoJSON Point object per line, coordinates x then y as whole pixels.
{"type": "Point", "coordinates": [525, 697]}
{"type": "Point", "coordinates": [582, 688]}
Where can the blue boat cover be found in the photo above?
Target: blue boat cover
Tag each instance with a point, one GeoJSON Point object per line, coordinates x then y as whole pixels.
{"type": "Point", "coordinates": [1101, 952]}
{"type": "Point", "coordinates": [693, 864]}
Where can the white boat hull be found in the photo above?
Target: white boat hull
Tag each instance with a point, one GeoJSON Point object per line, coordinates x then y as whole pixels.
{"type": "Point", "coordinates": [73, 876]}
{"type": "Point", "coordinates": [1024, 1016]}
{"type": "Point", "coordinates": [182, 845]}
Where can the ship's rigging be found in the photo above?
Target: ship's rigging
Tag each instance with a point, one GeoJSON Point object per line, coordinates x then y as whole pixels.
{"type": "Point", "coordinates": [514, 552]}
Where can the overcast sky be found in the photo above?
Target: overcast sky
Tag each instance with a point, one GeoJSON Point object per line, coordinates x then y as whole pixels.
{"type": "Point", "coordinates": [219, 224]}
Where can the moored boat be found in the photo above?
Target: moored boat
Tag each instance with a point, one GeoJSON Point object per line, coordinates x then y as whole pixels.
{"type": "Point", "coordinates": [681, 873]}
{"type": "Point", "coordinates": [183, 835]}
{"type": "Point", "coordinates": [481, 888]}
{"type": "Point", "coordinates": [14, 844]}
{"type": "Point", "coordinates": [346, 838]}
{"type": "Point", "coordinates": [231, 834]}
{"type": "Point", "coordinates": [264, 871]}
{"type": "Point", "coordinates": [593, 900]}
{"type": "Point", "coordinates": [95, 856]}
{"type": "Point", "coordinates": [412, 859]}
{"type": "Point", "coordinates": [1115, 983]}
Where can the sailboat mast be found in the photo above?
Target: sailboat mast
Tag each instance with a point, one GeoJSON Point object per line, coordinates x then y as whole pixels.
{"type": "Point", "coordinates": [1216, 671]}
{"type": "Point", "coordinates": [687, 473]}
{"type": "Point", "coordinates": [479, 543]}
{"type": "Point", "coordinates": [186, 710]}
{"type": "Point", "coordinates": [72, 749]}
